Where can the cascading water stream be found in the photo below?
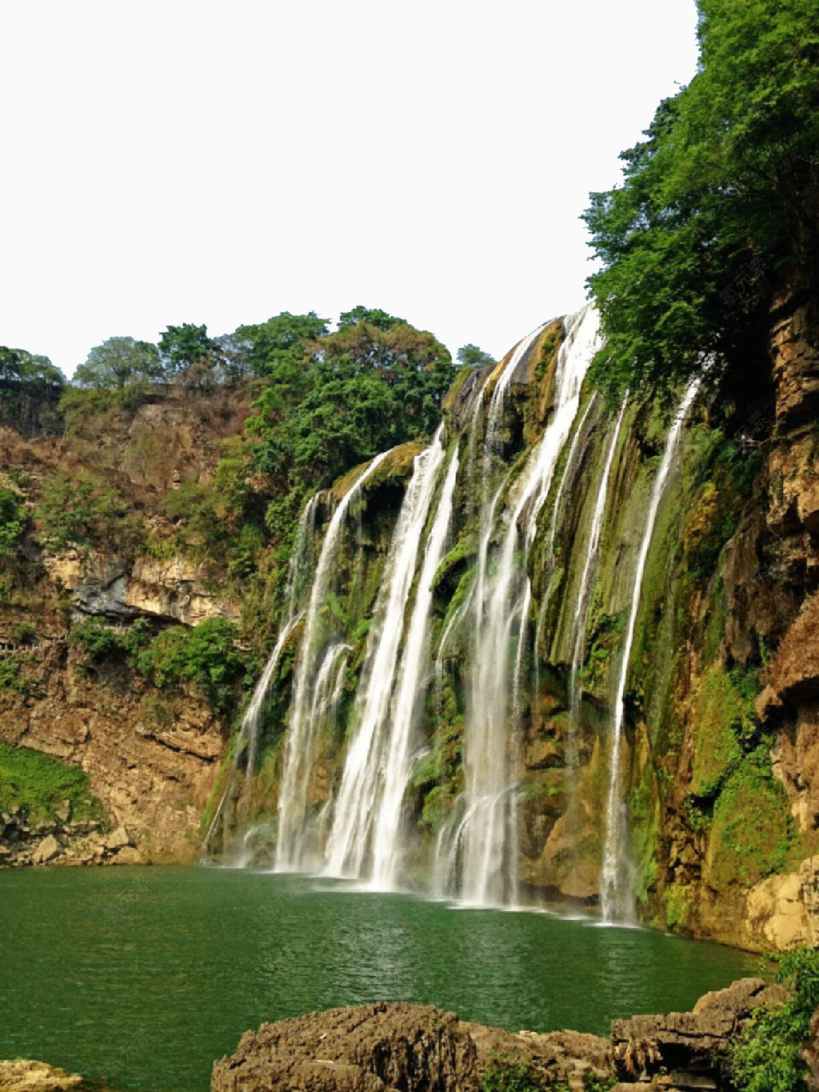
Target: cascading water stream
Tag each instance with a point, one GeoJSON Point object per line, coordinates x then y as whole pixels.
{"type": "Point", "coordinates": [309, 688]}
{"type": "Point", "coordinates": [478, 850]}
{"type": "Point", "coordinates": [388, 845]}
{"type": "Point", "coordinates": [584, 594]}
{"type": "Point", "coordinates": [374, 754]}
{"type": "Point", "coordinates": [616, 897]}
{"type": "Point", "coordinates": [250, 728]}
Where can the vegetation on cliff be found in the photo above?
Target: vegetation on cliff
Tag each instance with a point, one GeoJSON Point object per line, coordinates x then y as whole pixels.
{"type": "Point", "coordinates": [719, 206]}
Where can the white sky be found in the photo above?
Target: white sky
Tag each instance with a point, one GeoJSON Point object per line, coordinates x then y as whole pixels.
{"type": "Point", "coordinates": [173, 161]}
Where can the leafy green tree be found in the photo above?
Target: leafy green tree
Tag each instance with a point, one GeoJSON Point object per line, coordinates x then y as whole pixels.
{"type": "Point", "coordinates": [180, 347]}
{"type": "Point", "coordinates": [17, 365]}
{"type": "Point", "coordinates": [719, 206]}
{"type": "Point", "coordinates": [12, 521]}
{"type": "Point", "coordinates": [369, 387]}
{"type": "Point", "coordinates": [372, 316]}
{"type": "Point", "coordinates": [766, 1056]}
{"type": "Point", "coordinates": [119, 362]}
{"type": "Point", "coordinates": [470, 356]}
{"type": "Point", "coordinates": [205, 656]}
{"type": "Point", "coordinates": [277, 349]}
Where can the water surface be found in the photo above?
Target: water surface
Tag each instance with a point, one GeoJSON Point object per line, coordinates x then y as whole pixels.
{"type": "Point", "coordinates": [145, 975]}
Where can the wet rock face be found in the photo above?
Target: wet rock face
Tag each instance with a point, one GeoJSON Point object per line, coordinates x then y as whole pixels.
{"type": "Point", "coordinates": [415, 1048]}
{"type": "Point", "coordinates": [404, 1047]}
{"type": "Point", "coordinates": [686, 1049]}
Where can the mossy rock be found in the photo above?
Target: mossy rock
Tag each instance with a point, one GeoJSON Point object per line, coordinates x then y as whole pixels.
{"type": "Point", "coordinates": [721, 714]}
{"type": "Point", "coordinates": [40, 785]}
{"type": "Point", "coordinates": [751, 831]}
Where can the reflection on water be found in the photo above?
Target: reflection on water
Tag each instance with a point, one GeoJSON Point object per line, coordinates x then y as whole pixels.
{"type": "Point", "coordinates": [146, 975]}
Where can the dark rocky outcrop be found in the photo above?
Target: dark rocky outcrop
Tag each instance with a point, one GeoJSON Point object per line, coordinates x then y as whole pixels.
{"type": "Point", "coordinates": [368, 1049]}
{"type": "Point", "coordinates": [418, 1048]}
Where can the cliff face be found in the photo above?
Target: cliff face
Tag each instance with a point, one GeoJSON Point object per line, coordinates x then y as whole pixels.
{"type": "Point", "coordinates": [150, 753]}
{"type": "Point", "coordinates": [719, 768]}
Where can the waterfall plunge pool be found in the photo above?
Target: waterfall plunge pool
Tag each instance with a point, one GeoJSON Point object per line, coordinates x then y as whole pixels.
{"type": "Point", "coordinates": [146, 975]}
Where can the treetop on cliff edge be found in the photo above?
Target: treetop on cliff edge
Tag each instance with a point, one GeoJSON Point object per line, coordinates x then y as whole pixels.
{"type": "Point", "coordinates": [719, 206]}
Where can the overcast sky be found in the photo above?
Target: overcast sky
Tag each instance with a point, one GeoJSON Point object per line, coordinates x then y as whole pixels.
{"type": "Point", "coordinates": [191, 161]}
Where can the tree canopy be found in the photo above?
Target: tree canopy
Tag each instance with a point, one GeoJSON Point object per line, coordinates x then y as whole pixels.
{"type": "Point", "coordinates": [119, 362]}
{"type": "Point", "coordinates": [719, 206]}
{"type": "Point", "coordinates": [364, 388]}
{"type": "Point", "coordinates": [17, 365]}
{"type": "Point", "coordinates": [470, 356]}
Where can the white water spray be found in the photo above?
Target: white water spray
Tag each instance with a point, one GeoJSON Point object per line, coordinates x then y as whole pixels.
{"type": "Point", "coordinates": [478, 849]}
{"type": "Point", "coordinates": [308, 707]}
{"type": "Point", "coordinates": [374, 756]}
{"type": "Point", "coordinates": [581, 609]}
{"type": "Point", "coordinates": [616, 896]}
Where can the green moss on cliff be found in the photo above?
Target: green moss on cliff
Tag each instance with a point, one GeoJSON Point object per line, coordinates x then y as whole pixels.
{"type": "Point", "coordinates": [40, 785]}
{"type": "Point", "coordinates": [751, 830]}
{"type": "Point", "coordinates": [721, 717]}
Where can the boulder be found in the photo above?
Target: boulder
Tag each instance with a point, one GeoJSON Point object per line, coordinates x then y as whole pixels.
{"type": "Point", "coordinates": [684, 1049]}
{"type": "Point", "coordinates": [46, 850]}
{"type": "Point", "coordinates": [371, 1048]}
{"type": "Point", "coordinates": [26, 1076]}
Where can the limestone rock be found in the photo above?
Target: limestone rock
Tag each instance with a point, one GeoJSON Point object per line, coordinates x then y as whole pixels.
{"type": "Point", "coordinates": [47, 850]}
{"type": "Point", "coordinates": [117, 839]}
{"type": "Point", "coordinates": [27, 1076]}
{"type": "Point", "coordinates": [776, 912]}
{"type": "Point", "coordinates": [688, 1045]}
{"type": "Point", "coordinates": [373, 1048]}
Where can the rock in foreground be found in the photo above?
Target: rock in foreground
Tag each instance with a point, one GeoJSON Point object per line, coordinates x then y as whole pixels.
{"type": "Point", "coordinates": [399, 1047]}
{"type": "Point", "coordinates": [26, 1076]}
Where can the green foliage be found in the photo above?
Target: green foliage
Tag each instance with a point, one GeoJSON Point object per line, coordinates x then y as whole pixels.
{"type": "Point", "coordinates": [718, 201]}
{"type": "Point", "coordinates": [19, 366]}
{"type": "Point", "coordinates": [765, 1057]}
{"type": "Point", "coordinates": [748, 844]}
{"type": "Point", "coordinates": [470, 356]}
{"type": "Point", "coordinates": [722, 717]}
{"type": "Point", "coordinates": [277, 350]}
{"type": "Point", "coordinates": [509, 1073]}
{"type": "Point", "coordinates": [12, 521]}
{"type": "Point", "coordinates": [367, 387]}
{"type": "Point", "coordinates": [81, 512]}
{"type": "Point", "coordinates": [39, 784]}
{"type": "Point", "coordinates": [182, 346]}
{"type": "Point", "coordinates": [119, 362]}
{"type": "Point", "coordinates": [96, 640]}
{"type": "Point", "coordinates": [26, 633]}
{"type": "Point", "coordinates": [204, 656]}
{"type": "Point", "coordinates": [10, 680]}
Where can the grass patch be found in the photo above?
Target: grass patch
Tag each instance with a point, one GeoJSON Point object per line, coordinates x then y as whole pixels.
{"type": "Point", "coordinates": [40, 784]}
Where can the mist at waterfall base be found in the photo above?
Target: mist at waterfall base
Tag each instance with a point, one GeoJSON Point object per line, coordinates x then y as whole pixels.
{"type": "Point", "coordinates": [362, 831]}
{"type": "Point", "coordinates": [146, 975]}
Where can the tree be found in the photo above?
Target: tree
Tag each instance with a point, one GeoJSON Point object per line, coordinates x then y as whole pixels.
{"type": "Point", "coordinates": [277, 349]}
{"type": "Point", "coordinates": [718, 207]}
{"type": "Point", "coordinates": [470, 356]}
{"type": "Point", "coordinates": [180, 347]}
{"type": "Point", "coordinates": [119, 362]}
{"type": "Point", "coordinates": [366, 388]}
{"type": "Point", "coordinates": [373, 316]}
{"type": "Point", "coordinates": [17, 365]}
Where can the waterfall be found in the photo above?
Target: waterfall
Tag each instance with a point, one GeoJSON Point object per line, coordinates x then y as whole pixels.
{"type": "Point", "coordinates": [616, 898]}
{"type": "Point", "coordinates": [376, 769]}
{"type": "Point", "coordinates": [479, 847]}
{"type": "Point", "coordinates": [250, 729]}
{"type": "Point", "coordinates": [314, 669]}
{"type": "Point", "coordinates": [387, 842]}
{"type": "Point", "coordinates": [581, 609]}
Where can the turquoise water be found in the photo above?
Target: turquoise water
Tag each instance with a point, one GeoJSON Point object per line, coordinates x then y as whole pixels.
{"type": "Point", "coordinates": [145, 975]}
